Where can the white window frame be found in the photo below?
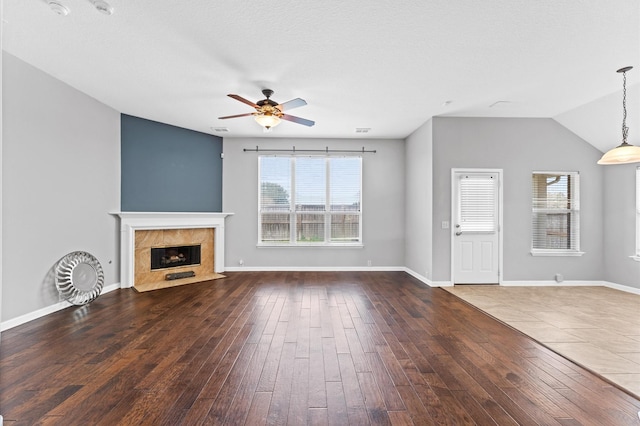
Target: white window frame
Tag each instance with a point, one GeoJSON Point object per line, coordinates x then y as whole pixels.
{"type": "Point", "coordinates": [327, 212]}
{"type": "Point", "coordinates": [575, 214]}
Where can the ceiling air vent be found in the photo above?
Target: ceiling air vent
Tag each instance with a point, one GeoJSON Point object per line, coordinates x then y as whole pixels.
{"type": "Point", "coordinates": [220, 129]}
{"type": "Point", "coordinates": [363, 129]}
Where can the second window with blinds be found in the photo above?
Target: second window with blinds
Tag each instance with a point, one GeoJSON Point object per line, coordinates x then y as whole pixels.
{"type": "Point", "coordinates": [310, 201]}
{"type": "Point", "coordinates": [555, 214]}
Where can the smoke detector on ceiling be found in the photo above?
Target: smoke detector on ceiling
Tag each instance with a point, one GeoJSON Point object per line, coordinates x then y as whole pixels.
{"type": "Point", "coordinates": [58, 8]}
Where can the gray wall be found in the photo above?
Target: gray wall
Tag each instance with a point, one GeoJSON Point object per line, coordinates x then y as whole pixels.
{"type": "Point", "coordinates": [61, 177]}
{"type": "Point", "coordinates": [419, 200]}
{"type": "Point", "coordinates": [382, 200]}
{"type": "Point", "coordinates": [518, 146]}
{"type": "Point", "coordinates": [169, 169]}
{"type": "Point", "coordinates": [620, 225]}
{"type": "Point", "coordinates": [1, 150]}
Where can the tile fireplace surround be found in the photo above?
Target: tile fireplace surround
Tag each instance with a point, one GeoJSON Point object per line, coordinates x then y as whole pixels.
{"type": "Point", "coordinates": [130, 222]}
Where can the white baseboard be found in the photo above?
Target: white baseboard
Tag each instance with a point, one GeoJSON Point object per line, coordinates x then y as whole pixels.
{"type": "Point", "coordinates": [576, 283]}
{"type": "Point", "coordinates": [442, 284]}
{"type": "Point", "coordinates": [550, 283]}
{"type": "Point", "coordinates": [621, 287]}
{"type": "Point", "coordinates": [313, 268]}
{"type": "Point", "coordinates": [533, 283]}
{"type": "Point", "coordinates": [426, 280]}
{"type": "Point", "coordinates": [6, 325]}
{"type": "Point", "coordinates": [339, 269]}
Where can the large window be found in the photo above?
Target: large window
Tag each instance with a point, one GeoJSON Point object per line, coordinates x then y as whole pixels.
{"type": "Point", "coordinates": [310, 200]}
{"type": "Point", "coordinates": [556, 214]}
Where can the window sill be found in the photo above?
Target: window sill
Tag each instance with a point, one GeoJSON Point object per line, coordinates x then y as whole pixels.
{"type": "Point", "coordinates": [316, 245]}
{"type": "Point", "coordinates": [556, 253]}
{"type": "Point", "coordinates": [635, 257]}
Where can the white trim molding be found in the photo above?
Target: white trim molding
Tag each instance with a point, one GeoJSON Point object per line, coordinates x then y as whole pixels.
{"type": "Point", "coordinates": [568, 253]}
{"type": "Point", "coordinates": [315, 269]}
{"type": "Point", "coordinates": [14, 322]}
{"type": "Point", "coordinates": [576, 283]}
{"type": "Point", "coordinates": [426, 280]}
{"type": "Point", "coordinates": [550, 283]}
{"type": "Point", "coordinates": [621, 287]}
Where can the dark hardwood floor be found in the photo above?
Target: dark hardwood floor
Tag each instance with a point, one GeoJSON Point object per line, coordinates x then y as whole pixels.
{"type": "Point", "coordinates": [292, 348]}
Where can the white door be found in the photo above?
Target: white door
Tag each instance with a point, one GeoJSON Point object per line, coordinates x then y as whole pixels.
{"type": "Point", "coordinates": [476, 227]}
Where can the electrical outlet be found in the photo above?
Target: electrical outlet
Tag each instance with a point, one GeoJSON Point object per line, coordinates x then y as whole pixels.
{"type": "Point", "coordinates": [368, 263]}
{"type": "Point", "coordinates": [241, 262]}
{"type": "Point", "coordinates": [445, 224]}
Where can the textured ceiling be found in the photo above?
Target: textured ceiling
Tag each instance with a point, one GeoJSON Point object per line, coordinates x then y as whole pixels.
{"type": "Point", "coordinates": [388, 66]}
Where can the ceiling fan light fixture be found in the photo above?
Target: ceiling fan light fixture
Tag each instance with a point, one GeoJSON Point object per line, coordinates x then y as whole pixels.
{"type": "Point", "coordinates": [624, 153]}
{"type": "Point", "coordinates": [267, 120]}
{"type": "Point", "coordinates": [269, 113]}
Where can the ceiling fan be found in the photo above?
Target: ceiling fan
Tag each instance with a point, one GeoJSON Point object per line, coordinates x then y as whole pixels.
{"type": "Point", "coordinates": [269, 113]}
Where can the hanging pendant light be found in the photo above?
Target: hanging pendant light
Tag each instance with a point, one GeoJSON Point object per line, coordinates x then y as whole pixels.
{"type": "Point", "coordinates": [624, 153]}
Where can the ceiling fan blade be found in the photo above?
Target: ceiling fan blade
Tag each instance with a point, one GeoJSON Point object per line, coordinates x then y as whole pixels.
{"type": "Point", "coordinates": [243, 100]}
{"type": "Point", "coordinates": [235, 116]}
{"type": "Point", "coordinates": [293, 103]}
{"type": "Point", "coordinates": [298, 120]}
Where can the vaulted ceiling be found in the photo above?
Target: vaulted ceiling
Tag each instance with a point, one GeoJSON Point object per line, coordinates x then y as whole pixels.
{"type": "Point", "coordinates": [387, 66]}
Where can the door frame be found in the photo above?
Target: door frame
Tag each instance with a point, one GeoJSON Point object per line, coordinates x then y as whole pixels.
{"type": "Point", "coordinates": [453, 218]}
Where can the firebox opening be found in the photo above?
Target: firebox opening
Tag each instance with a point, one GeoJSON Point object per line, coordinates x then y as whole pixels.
{"type": "Point", "coordinates": [170, 257]}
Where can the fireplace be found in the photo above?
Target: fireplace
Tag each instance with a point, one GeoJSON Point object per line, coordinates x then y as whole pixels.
{"type": "Point", "coordinates": [173, 256]}
{"type": "Point", "coordinates": [142, 231]}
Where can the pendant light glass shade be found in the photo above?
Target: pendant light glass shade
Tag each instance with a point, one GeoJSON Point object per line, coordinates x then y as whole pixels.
{"type": "Point", "coordinates": [267, 120]}
{"type": "Point", "coordinates": [624, 153]}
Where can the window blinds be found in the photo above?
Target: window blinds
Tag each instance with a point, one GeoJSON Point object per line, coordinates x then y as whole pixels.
{"type": "Point", "coordinates": [555, 212]}
{"type": "Point", "coordinates": [274, 199]}
{"type": "Point", "coordinates": [345, 186]}
{"type": "Point", "coordinates": [478, 207]}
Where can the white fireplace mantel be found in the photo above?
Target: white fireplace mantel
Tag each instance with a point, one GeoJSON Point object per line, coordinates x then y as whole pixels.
{"type": "Point", "coordinates": [132, 221]}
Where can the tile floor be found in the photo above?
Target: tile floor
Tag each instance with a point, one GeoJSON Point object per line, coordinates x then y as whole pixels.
{"type": "Point", "coordinates": [596, 327]}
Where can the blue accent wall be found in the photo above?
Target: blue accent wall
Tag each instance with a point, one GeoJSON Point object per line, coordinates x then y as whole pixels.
{"type": "Point", "coordinates": [169, 169]}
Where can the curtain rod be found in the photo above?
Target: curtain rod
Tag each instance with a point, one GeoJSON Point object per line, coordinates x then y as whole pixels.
{"type": "Point", "coordinates": [294, 150]}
